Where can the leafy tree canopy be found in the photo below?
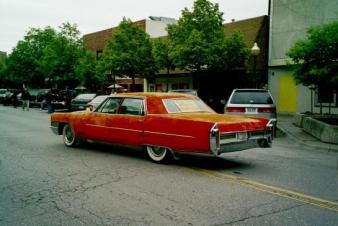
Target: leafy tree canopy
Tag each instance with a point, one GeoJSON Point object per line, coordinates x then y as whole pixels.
{"type": "Point", "coordinates": [62, 55]}
{"type": "Point", "coordinates": [23, 62]}
{"type": "Point", "coordinates": [129, 52]}
{"type": "Point", "coordinates": [47, 55]}
{"type": "Point", "coordinates": [316, 57]}
{"type": "Point", "coordinates": [199, 41]}
{"type": "Point", "coordinates": [88, 73]}
{"type": "Point", "coordinates": [198, 35]}
{"type": "Point", "coordinates": [162, 48]}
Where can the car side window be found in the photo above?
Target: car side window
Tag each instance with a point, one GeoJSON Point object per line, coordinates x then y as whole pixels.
{"type": "Point", "coordinates": [131, 106]}
{"type": "Point", "coordinates": [110, 106]}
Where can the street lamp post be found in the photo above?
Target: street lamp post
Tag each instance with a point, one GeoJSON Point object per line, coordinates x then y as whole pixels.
{"type": "Point", "coordinates": [255, 50]}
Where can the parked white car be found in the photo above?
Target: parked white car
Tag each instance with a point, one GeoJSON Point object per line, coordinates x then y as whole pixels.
{"type": "Point", "coordinates": [252, 102]}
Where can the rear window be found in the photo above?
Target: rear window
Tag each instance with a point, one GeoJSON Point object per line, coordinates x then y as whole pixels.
{"type": "Point", "coordinates": [186, 91]}
{"type": "Point", "coordinates": [185, 105]}
{"type": "Point", "coordinates": [251, 97]}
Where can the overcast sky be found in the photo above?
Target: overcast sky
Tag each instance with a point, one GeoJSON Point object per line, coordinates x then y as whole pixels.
{"type": "Point", "coordinates": [17, 16]}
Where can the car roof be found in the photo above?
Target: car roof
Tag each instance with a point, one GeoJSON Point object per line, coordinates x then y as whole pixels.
{"type": "Point", "coordinates": [259, 90]}
{"type": "Point", "coordinates": [155, 95]}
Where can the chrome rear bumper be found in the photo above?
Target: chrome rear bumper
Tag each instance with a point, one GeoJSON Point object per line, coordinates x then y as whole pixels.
{"type": "Point", "coordinates": [238, 141]}
{"type": "Point", "coordinates": [264, 142]}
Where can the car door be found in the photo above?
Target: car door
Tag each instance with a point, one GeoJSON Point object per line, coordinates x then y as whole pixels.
{"type": "Point", "coordinates": [126, 127]}
{"type": "Point", "coordinates": [97, 125]}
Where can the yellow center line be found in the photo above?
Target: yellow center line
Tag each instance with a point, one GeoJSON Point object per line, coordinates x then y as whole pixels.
{"type": "Point", "coordinates": [268, 188]}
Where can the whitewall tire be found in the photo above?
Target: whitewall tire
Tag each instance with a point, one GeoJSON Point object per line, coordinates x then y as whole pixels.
{"type": "Point", "coordinates": [158, 154]}
{"type": "Point", "coordinates": [68, 136]}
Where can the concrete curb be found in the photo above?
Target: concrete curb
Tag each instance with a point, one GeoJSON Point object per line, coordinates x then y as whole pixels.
{"type": "Point", "coordinates": [318, 146]}
{"type": "Point", "coordinates": [322, 131]}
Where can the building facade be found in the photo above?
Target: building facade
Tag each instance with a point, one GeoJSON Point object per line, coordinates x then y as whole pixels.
{"type": "Point", "coordinates": [253, 30]}
{"type": "Point", "coordinates": [215, 88]}
{"type": "Point", "coordinates": [155, 27]}
{"type": "Point", "coordinates": [289, 22]}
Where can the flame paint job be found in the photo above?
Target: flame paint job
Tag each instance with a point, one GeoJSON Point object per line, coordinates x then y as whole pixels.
{"type": "Point", "coordinates": [187, 132]}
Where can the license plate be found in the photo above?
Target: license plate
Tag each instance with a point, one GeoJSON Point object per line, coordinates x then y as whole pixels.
{"type": "Point", "coordinates": [242, 136]}
{"type": "Point", "coordinates": [251, 110]}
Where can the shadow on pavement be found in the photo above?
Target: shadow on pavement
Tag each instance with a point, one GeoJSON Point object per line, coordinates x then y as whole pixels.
{"type": "Point", "coordinates": [185, 160]}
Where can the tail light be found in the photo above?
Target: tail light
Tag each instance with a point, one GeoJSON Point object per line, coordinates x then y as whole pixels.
{"type": "Point", "coordinates": [215, 139]}
{"type": "Point", "coordinates": [235, 109]}
{"type": "Point", "coordinates": [271, 123]}
{"type": "Point", "coordinates": [266, 110]}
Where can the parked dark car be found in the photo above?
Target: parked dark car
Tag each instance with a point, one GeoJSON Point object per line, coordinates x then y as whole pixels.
{"type": "Point", "coordinates": [11, 97]}
{"type": "Point", "coordinates": [6, 96]}
{"type": "Point", "coordinates": [3, 94]}
{"type": "Point", "coordinates": [64, 98]}
{"type": "Point", "coordinates": [81, 101]}
{"type": "Point", "coordinates": [37, 96]}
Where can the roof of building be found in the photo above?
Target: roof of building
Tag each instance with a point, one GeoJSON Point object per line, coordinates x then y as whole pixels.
{"type": "Point", "coordinates": [97, 40]}
{"type": "Point", "coordinates": [250, 28]}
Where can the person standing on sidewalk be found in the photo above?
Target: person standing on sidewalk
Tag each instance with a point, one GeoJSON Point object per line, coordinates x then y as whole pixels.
{"type": "Point", "coordinates": [49, 98]}
{"type": "Point", "coordinates": [25, 96]}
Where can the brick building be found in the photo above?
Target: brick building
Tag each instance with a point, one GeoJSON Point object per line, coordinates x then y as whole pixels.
{"type": "Point", "coordinates": [253, 30]}
{"type": "Point", "coordinates": [96, 42]}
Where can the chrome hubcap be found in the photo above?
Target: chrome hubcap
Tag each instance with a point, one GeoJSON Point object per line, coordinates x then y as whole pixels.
{"type": "Point", "coordinates": [158, 151]}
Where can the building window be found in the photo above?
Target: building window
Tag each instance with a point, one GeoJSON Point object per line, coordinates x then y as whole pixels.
{"type": "Point", "coordinates": [174, 86]}
{"type": "Point", "coordinates": [159, 88]}
{"type": "Point", "coordinates": [180, 86]}
{"type": "Point", "coordinates": [326, 97]}
{"type": "Point", "coordinates": [184, 86]}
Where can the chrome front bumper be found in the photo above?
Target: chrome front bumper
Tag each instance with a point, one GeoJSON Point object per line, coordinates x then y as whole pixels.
{"type": "Point", "coordinates": [54, 126]}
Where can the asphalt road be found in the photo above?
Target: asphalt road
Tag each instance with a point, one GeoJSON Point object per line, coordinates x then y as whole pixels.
{"type": "Point", "coordinates": [44, 183]}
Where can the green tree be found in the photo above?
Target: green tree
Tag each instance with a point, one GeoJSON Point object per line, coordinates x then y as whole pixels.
{"type": "Point", "coordinates": [235, 52]}
{"type": "Point", "coordinates": [23, 62]}
{"type": "Point", "coordinates": [87, 72]}
{"type": "Point", "coordinates": [3, 78]}
{"type": "Point", "coordinates": [162, 48]}
{"type": "Point", "coordinates": [62, 55]}
{"type": "Point", "coordinates": [199, 41]}
{"type": "Point", "coordinates": [129, 52]}
{"type": "Point", "coordinates": [316, 57]}
{"type": "Point", "coordinates": [47, 55]}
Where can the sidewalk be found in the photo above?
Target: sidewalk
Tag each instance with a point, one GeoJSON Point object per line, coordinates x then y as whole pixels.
{"type": "Point", "coordinates": [298, 135]}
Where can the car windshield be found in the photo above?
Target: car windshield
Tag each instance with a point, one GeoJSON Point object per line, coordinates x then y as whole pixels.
{"type": "Point", "coordinates": [99, 99]}
{"type": "Point", "coordinates": [86, 96]}
{"type": "Point", "coordinates": [185, 106]}
{"type": "Point", "coordinates": [34, 92]}
{"type": "Point", "coordinates": [251, 97]}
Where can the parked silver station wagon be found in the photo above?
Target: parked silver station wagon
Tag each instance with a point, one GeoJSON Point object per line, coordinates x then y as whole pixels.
{"type": "Point", "coordinates": [255, 102]}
